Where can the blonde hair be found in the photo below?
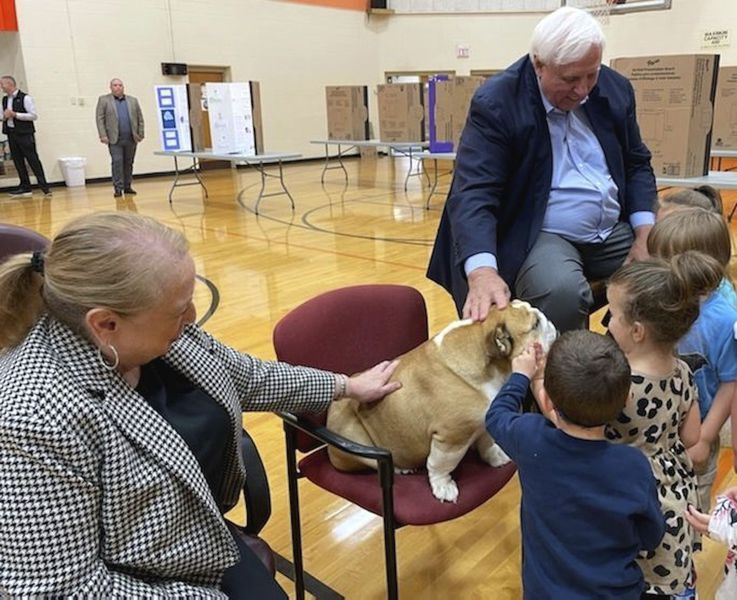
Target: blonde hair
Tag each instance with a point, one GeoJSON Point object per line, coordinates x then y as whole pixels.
{"type": "Point", "coordinates": [692, 229]}
{"type": "Point", "coordinates": [120, 261]}
{"type": "Point", "coordinates": [704, 196]}
{"type": "Point", "coordinates": [665, 294]}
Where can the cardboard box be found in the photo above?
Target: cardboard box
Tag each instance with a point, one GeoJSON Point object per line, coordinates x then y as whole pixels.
{"type": "Point", "coordinates": [449, 99]}
{"type": "Point", "coordinates": [724, 136]}
{"type": "Point", "coordinates": [675, 108]}
{"type": "Point", "coordinates": [463, 90]}
{"type": "Point", "coordinates": [347, 112]}
{"type": "Point", "coordinates": [401, 112]}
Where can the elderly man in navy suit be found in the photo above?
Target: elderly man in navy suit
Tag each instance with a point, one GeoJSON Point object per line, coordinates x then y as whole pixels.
{"type": "Point", "coordinates": [553, 185]}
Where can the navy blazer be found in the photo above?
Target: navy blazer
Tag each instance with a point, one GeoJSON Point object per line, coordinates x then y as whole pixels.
{"type": "Point", "coordinates": [504, 167]}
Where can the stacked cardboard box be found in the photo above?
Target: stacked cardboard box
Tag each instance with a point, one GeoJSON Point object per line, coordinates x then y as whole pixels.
{"type": "Point", "coordinates": [675, 107]}
{"type": "Point", "coordinates": [463, 90]}
{"type": "Point", "coordinates": [725, 110]}
{"type": "Point", "coordinates": [401, 112]}
{"type": "Point", "coordinates": [347, 112]}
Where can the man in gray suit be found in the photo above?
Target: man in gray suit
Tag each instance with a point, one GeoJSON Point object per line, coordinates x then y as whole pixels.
{"type": "Point", "coordinates": [120, 126]}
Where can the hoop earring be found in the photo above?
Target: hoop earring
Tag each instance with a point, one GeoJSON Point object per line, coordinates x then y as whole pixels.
{"type": "Point", "coordinates": [107, 365]}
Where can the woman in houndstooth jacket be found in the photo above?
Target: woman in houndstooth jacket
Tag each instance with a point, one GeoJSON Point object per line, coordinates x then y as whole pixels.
{"type": "Point", "coordinates": [120, 420]}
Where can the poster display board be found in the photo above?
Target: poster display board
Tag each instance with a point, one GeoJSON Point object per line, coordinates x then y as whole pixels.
{"type": "Point", "coordinates": [230, 110]}
{"type": "Point", "coordinates": [172, 111]}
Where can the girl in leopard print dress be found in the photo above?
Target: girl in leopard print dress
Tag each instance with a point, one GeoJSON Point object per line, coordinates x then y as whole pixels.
{"type": "Point", "coordinates": [653, 304]}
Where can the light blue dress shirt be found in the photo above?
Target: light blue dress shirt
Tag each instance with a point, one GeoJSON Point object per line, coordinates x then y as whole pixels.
{"type": "Point", "coordinates": [582, 206]}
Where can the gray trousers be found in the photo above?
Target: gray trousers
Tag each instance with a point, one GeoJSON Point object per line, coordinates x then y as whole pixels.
{"type": "Point", "coordinates": [554, 276]}
{"type": "Point", "coordinates": [122, 153]}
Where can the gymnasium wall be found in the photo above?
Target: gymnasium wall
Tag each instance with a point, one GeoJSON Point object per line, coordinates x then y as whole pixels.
{"type": "Point", "coordinates": [67, 50]}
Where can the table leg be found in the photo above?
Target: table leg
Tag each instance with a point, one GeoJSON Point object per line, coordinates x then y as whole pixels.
{"type": "Point", "coordinates": [261, 168]}
{"type": "Point", "coordinates": [340, 165]}
{"type": "Point", "coordinates": [434, 184]}
{"type": "Point", "coordinates": [409, 169]}
{"type": "Point", "coordinates": [177, 176]}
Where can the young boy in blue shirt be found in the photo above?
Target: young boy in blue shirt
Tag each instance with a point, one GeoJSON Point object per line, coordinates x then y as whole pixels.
{"type": "Point", "coordinates": [588, 506]}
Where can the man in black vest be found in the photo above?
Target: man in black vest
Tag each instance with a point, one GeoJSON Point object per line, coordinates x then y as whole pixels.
{"type": "Point", "coordinates": [19, 113]}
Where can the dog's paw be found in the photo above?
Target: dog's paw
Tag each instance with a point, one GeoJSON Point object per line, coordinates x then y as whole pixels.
{"type": "Point", "coordinates": [398, 471]}
{"type": "Point", "coordinates": [495, 456]}
{"type": "Point", "coordinates": [445, 490]}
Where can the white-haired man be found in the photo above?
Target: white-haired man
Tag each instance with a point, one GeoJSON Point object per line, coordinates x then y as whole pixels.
{"type": "Point", "coordinates": [553, 184]}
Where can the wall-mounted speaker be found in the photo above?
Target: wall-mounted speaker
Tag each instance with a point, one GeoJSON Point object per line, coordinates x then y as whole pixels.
{"type": "Point", "coordinates": [173, 68]}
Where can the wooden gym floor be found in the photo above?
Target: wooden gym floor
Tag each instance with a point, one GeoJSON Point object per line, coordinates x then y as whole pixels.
{"type": "Point", "coordinates": [366, 231]}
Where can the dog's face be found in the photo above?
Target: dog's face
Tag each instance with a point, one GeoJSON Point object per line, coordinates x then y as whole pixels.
{"type": "Point", "coordinates": [516, 327]}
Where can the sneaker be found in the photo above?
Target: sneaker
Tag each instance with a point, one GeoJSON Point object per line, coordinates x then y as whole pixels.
{"type": "Point", "coordinates": [117, 194]}
{"type": "Point", "coordinates": [687, 594]}
{"type": "Point", "coordinates": [130, 191]}
{"type": "Point", "coordinates": [20, 193]}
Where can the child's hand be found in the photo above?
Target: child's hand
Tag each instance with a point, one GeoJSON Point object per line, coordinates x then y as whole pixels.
{"type": "Point", "coordinates": [530, 361]}
{"type": "Point", "coordinates": [731, 493]}
{"type": "Point", "coordinates": [699, 521]}
{"type": "Point", "coordinates": [699, 454]}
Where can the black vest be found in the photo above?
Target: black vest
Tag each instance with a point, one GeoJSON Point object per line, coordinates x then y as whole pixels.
{"type": "Point", "coordinates": [21, 127]}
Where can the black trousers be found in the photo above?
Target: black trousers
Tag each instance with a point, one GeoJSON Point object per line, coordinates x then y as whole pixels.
{"type": "Point", "coordinates": [249, 579]}
{"type": "Point", "coordinates": [22, 149]}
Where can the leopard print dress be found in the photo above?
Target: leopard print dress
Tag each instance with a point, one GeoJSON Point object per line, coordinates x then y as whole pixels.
{"type": "Point", "coordinates": [651, 421]}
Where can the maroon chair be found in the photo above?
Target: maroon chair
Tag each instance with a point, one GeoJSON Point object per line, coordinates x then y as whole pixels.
{"type": "Point", "coordinates": [15, 239]}
{"type": "Point", "coordinates": [349, 330]}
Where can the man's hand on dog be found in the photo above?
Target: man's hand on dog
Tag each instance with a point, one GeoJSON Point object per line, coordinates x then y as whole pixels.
{"type": "Point", "coordinates": [373, 384]}
{"type": "Point", "coordinates": [485, 289]}
{"type": "Point", "coordinates": [530, 362]}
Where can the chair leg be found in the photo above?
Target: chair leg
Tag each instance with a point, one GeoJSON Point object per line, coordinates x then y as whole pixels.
{"type": "Point", "coordinates": [386, 476]}
{"type": "Point", "coordinates": [292, 480]}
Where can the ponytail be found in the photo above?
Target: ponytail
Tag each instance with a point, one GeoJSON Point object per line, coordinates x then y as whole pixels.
{"type": "Point", "coordinates": [21, 304]}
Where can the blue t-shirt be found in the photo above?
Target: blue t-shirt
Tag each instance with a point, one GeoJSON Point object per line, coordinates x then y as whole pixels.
{"type": "Point", "coordinates": [588, 506]}
{"type": "Point", "coordinates": [710, 348]}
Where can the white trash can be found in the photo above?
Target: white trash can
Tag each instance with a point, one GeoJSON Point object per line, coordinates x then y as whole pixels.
{"type": "Point", "coordinates": [73, 169]}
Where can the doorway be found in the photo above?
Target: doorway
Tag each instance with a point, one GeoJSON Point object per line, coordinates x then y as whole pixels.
{"type": "Point", "coordinates": [199, 117]}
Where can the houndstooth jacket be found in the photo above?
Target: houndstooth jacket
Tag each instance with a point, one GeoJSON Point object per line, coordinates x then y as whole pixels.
{"type": "Point", "coordinates": [98, 494]}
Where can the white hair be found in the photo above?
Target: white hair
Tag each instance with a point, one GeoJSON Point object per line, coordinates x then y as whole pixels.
{"type": "Point", "coordinates": [565, 36]}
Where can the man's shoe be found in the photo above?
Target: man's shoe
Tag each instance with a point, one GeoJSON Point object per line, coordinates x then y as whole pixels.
{"type": "Point", "coordinates": [130, 191]}
{"type": "Point", "coordinates": [20, 193]}
{"type": "Point", "coordinates": [118, 194]}
{"type": "Point", "coordinates": [47, 193]}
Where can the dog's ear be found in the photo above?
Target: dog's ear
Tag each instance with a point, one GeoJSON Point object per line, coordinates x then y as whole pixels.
{"type": "Point", "coordinates": [499, 343]}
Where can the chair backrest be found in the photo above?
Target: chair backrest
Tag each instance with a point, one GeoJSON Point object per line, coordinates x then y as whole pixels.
{"type": "Point", "coordinates": [351, 329]}
{"type": "Point", "coordinates": [15, 239]}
